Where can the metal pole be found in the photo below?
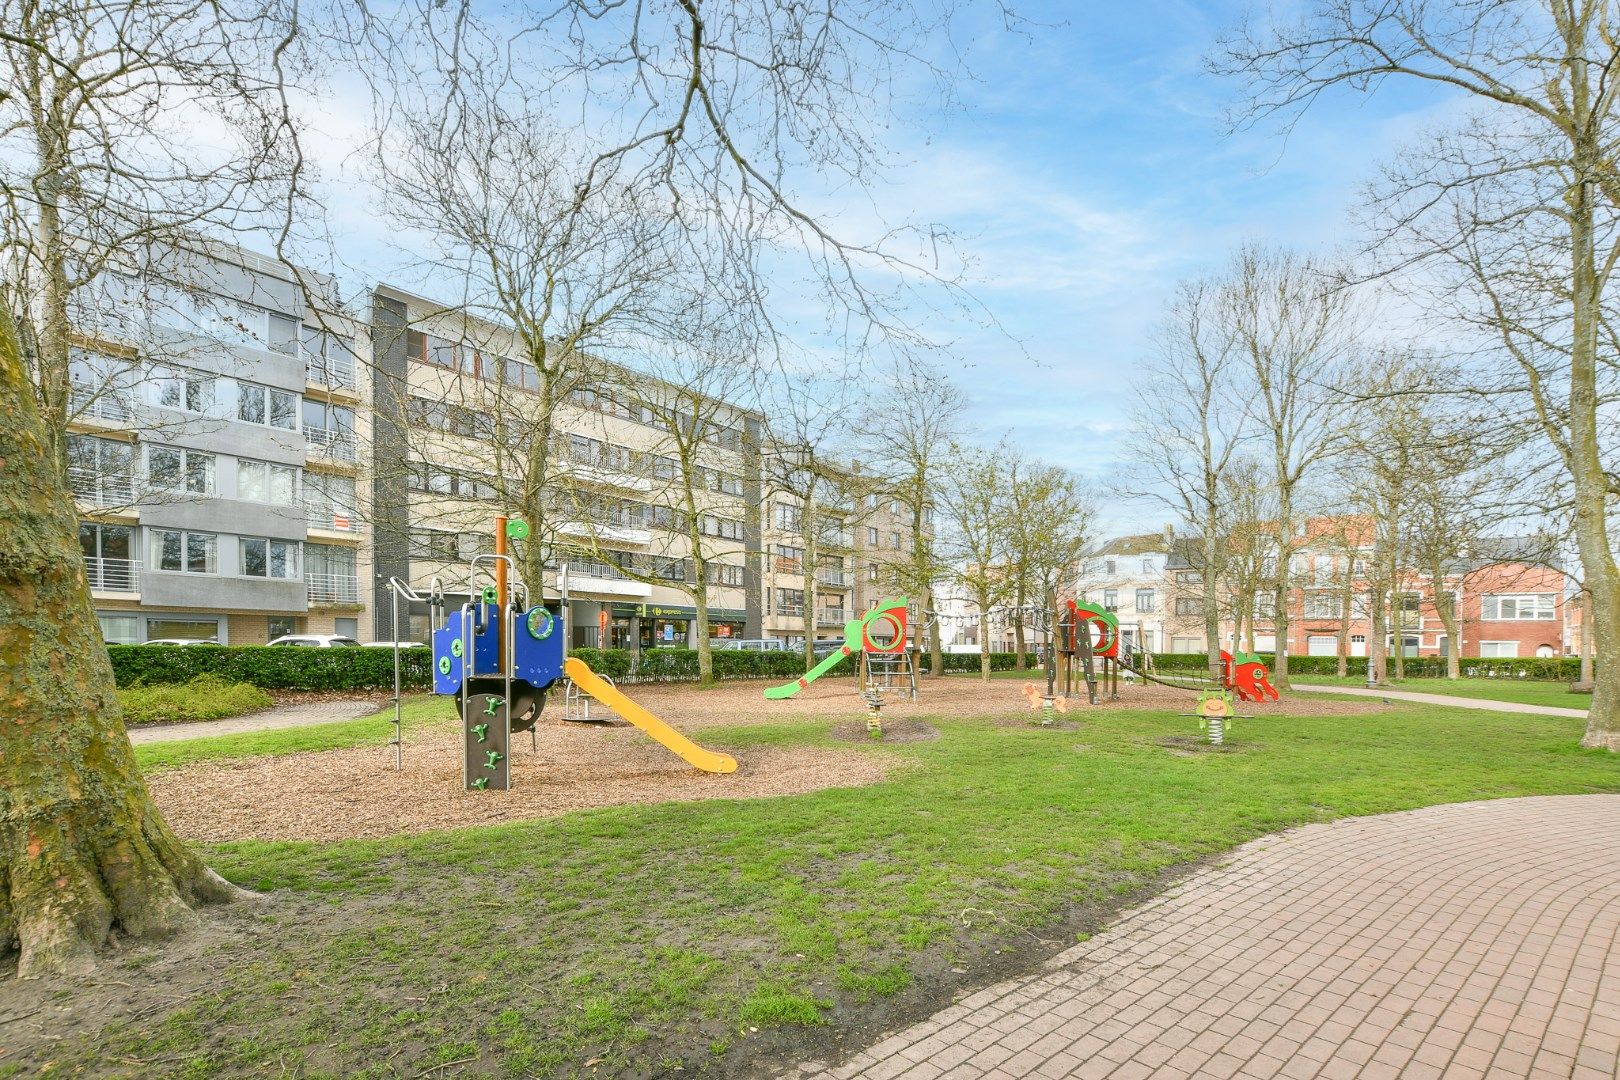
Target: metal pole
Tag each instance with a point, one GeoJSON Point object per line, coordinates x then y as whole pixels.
{"type": "Point", "coordinates": [398, 729]}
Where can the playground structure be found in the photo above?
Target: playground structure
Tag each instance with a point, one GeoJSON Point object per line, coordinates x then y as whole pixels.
{"type": "Point", "coordinates": [498, 657]}
{"type": "Point", "coordinates": [1243, 674]}
{"type": "Point", "coordinates": [888, 667]}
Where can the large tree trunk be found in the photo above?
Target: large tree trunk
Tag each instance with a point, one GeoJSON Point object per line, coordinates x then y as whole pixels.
{"type": "Point", "coordinates": [1018, 628]}
{"type": "Point", "coordinates": [1212, 614]}
{"type": "Point", "coordinates": [984, 641]}
{"type": "Point", "coordinates": [1347, 611]}
{"type": "Point", "coordinates": [1599, 571]}
{"type": "Point", "coordinates": [1447, 609]}
{"type": "Point", "coordinates": [1583, 683]}
{"type": "Point", "coordinates": [83, 851]}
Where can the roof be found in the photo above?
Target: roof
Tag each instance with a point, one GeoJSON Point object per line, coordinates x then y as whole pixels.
{"type": "Point", "coordinates": [1138, 544]}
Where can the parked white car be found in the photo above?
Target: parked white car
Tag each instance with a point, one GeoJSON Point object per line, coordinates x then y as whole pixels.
{"type": "Point", "coordinates": [180, 641]}
{"type": "Point", "coordinates": [753, 644]}
{"type": "Point", "coordinates": [391, 644]}
{"type": "Point", "coordinates": [317, 641]}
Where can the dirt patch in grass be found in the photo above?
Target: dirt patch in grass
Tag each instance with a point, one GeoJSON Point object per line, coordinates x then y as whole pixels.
{"type": "Point", "coordinates": [355, 793]}
{"type": "Point", "coordinates": [894, 731]}
{"type": "Point", "coordinates": [1188, 745]}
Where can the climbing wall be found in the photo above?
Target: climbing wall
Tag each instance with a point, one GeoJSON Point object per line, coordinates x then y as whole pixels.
{"type": "Point", "coordinates": [487, 736]}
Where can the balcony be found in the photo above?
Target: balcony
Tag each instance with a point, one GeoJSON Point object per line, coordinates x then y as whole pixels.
{"type": "Point", "coordinates": [333, 588]}
{"type": "Point", "coordinates": [327, 519]}
{"type": "Point", "coordinates": [833, 616]}
{"type": "Point", "coordinates": [841, 538]}
{"type": "Point", "coordinates": [101, 489]}
{"type": "Point", "coordinates": [838, 579]}
{"type": "Point", "coordinates": [608, 530]}
{"type": "Point", "coordinates": [113, 575]}
{"type": "Point", "coordinates": [586, 575]}
{"type": "Point", "coordinates": [605, 475]}
{"type": "Point", "coordinates": [328, 443]}
{"type": "Point", "coordinates": [112, 407]}
{"type": "Point", "coordinates": [792, 610]}
{"type": "Point", "coordinates": [784, 565]}
{"type": "Point", "coordinates": [330, 372]}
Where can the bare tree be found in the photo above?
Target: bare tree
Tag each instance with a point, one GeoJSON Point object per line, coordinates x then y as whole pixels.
{"type": "Point", "coordinates": [102, 163]}
{"type": "Point", "coordinates": [1049, 526]}
{"type": "Point", "coordinates": [1192, 422]}
{"type": "Point", "coordinates": [1514, 214]}
{"type": "Point", "coordinates": [1292, 321]}
{"type": "Point", "coordinates": [974, 503]}
{"type": "Point", "coordinates": [905, 435]}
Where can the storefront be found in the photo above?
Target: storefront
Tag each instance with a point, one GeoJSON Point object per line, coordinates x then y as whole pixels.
{"type": "Point", "coordinates": [671, 626]}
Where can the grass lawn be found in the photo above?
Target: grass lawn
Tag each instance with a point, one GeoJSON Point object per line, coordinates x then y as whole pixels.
{"type": "Point", "coordinates": [1523, 691]}
{"type": "Point", "coordinates": [717, 936]}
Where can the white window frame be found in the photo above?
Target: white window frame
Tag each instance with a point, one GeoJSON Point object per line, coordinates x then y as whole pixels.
{"type": "Point", "coordinates": [291, 559]}
{"type": "Point", "coordinates": [1497, 655]}
{"type": "Point", "coordinates": [187, 456]}
{"type": "Point", "coordinates": [154, 547]}
{"type": "Point", "coordinates": [1493, 602]}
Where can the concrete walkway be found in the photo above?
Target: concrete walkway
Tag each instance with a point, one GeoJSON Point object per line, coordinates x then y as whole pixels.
{"type": "Point", "coordinates": [1471, 940]}
{"type": "Point", "coordinates": [1443, 699]}
{"type": "Point", "coordinates": [284, 716]}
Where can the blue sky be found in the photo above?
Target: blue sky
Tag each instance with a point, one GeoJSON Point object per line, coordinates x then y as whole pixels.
{"type": "Point", "coordinates": [1086, 170]}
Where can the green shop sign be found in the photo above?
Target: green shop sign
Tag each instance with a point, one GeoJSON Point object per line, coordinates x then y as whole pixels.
{"type": "Point", "coordinates": [675, 611]}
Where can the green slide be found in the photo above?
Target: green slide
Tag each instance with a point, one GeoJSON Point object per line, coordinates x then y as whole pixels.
{"type": "Point", "coordinates": [852, 644]}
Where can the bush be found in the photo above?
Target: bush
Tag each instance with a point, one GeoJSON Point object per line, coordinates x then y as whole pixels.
{"type": "Point", "coordinates": [1554, 668]}
{"type": "Point", "coordinates": [271, 668]}
{"type": "Point", "coordinates": [206, 697]}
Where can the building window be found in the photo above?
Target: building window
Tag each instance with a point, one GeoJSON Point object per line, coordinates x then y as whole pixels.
{"type": "Point", "coordinates": [186, 552]}
{"type": "Point", "coordinates": [1506, 608]}
{"type": "Point", "coordinates": [1498, 650]}
{"type": "Point", "coordinates": [175, 469]}
{"type": "Point", "coordinates": [1111, 599]}
{"type": "Point", "coordinates": [1144, 600]}
{"type": "Point", "coordinates": [1189, 605]}
{"type": "Point", "coordinates": [118, 629]}
{"type": "Point", "coordinates": [872, 572]}
{"type": "Point", "coordinates": [259, 481]}
{"type": "Point", "coordinates": [894, 541]}
{"type": "Point", "coordinates": [183, 629]}
{"type": "Point", "coordinates": [269, 558]}
{"type": "Point", "coordinates": [1186, 644]}
{"type": "Point", "coordinates": [261, 405]}
{"type": "Point", "coordinates": [1147, 567]}
{"type": "Point", "coordinates": [721, 573]}
{"type": "Point", "coordinates": [1320, 605]}
{"type": "Point", "coordinates": [109, 556]}
{"type": "Point", "coordinates": [280, 626]}
{"type": "Point", "coordinates": [787, 517]}
{"type": "Point", "coordinates": [871, 537]}
{"type": "Point", "coordinates": [725, 528]}
{"type": "Point", "coordinates": [189, 391]}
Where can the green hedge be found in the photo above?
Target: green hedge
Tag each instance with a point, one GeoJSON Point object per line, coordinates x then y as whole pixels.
{"type": "Point", "coordinates": [207, 697]}
{"type": "Point", "coordinates": [287, 668]}
{"type": "Point", "coordinates": [1552, 668]}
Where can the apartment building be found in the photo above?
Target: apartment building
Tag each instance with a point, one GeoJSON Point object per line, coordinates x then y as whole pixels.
{"type": "Point", "coordinates": [1507, 604]}
{"type": "Point", "coordinates": [1128, 575]}
{"type": "Point", "coordinates": [860, 538]}
{"type": "Point", "coordinates": [213, 445]}
{"type": "Point", "coordinates": [457, 406]}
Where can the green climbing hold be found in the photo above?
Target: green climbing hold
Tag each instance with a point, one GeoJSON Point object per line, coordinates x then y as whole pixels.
{"type": "Point", "coordinates": [494, 756]}
{"type": "Point", "coordinates": [540, 624]}
{"type": "Point", "coordinates": [481, 784]}
{"type": "Point", "coordinates": [492, 705]}
{"type": "Point", "coordinates": [491, 595]}
{"type": "Point", "coordinates": [444, 665]}
{"type": "Point", "coordinates": [480, 731]}
{"type": "Point", "coordinates": [455, 647]}
{"type": "Point", "coordinates": [517, 530]}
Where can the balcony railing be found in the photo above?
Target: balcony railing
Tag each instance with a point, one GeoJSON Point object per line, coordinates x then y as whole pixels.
{"type": "Point", "coordinates": [599, 570]}
{"type": "Point", "coordinates": [339, 445]}
{"type": "Point", "coordinates": [333, 588]}
{"type": "Point", "coordinates": [796, 610]}
{"type": "Point", "coordinates": [332, 372]}
{"type": "Point", "coordinates": [101, 489]}
{"type": "Point", "coordinates": [113, 575]}
{"type": "Point", "coordinates": [784, 565]}
{"type": "Point", "coordinates": [833, 616]}
{"type": "Point", "coordinates": [343, 521]}
{"type": "Point", "coordinates": [112, 406]}
{"type": "Point", "coordinates": [837, 578]}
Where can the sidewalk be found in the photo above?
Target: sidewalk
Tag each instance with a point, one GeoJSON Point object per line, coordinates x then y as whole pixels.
{"type": "Point", "coordinates": [1443, 699]}
{"type": "Point", "coordinates": [1463, 941]}
{"type": "Point", "coordinates": [284, 716]}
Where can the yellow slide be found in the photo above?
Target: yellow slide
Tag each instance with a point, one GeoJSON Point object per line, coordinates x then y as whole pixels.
{"type": "Point", "coordinates": [672, 740]}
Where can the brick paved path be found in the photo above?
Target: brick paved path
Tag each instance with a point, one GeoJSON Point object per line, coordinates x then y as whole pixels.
{"type": "Point", "coordinates": [1480, 939]}
{"type": "Point", "coordinates": [283, 716]}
